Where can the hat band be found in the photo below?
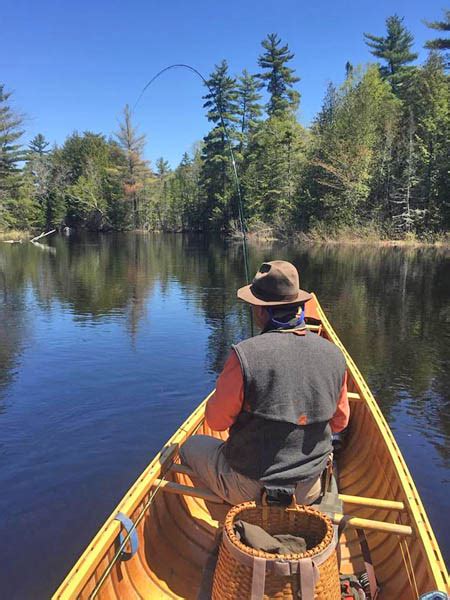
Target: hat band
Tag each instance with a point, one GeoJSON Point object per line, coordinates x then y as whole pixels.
{"type": "Point", "coordinates": [272, 296]}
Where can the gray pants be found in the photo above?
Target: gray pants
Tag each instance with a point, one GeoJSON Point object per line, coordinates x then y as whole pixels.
{"type": "Point", "coordinates": [205, 456]}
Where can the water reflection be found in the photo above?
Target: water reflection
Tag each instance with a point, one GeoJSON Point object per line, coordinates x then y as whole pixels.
{"type": "Point", "coordinates": [390, 305]}
{"type": "Point", "coordinates": [117, 321]}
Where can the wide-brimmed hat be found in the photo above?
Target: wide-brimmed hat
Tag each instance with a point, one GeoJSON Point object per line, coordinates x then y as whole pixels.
{"type": "Point", "coordinates": [276, 283]}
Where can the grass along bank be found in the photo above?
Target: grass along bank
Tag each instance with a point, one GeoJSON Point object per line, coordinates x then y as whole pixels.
{"type": "Point", "coordinates": [356, 235]}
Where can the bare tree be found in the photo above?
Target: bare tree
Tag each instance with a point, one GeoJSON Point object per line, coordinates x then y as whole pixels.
{"type": "Point", "coordinates": [133, 143]}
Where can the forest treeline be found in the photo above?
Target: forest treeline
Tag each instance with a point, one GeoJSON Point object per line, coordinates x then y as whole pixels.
{"type": "Point", "coordinates": [375, 155]}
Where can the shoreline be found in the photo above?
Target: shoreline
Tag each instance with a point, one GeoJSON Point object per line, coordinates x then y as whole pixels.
{"type": "Point", "coordinates": [343, 238]}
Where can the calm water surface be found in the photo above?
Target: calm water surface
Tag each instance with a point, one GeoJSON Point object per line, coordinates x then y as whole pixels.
{"type": "Point", "coordinates": [108, 342]}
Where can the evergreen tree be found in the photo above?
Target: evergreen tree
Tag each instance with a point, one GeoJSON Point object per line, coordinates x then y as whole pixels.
{"type": "Point", "coordinates": [52, 189]}
{"type": "Point", "coordinates": [272, 169]}
{"type": "Point", "coordinates": [277, 76]}
{"type": "Point", "coordinates": [11, 153]}
{"type": "Point", "coordinates": [249, 108]}
{"type": "Point", "coordinates": [221, 99]}
{"type": "Point", "coordinates": [185, 191]}
{"type": "Point", "coordinates": [440, 43]}
{"type": "Point", "coordinates": [39, 145]}
{"type": "Point", "coordinates": [395, 50]}
{"type": "Point", "coordinates": [222, 104]}
{"type": "Point", "coordinates": [162, 167]}
{"type": "Point", "coordinates": [348, 70]}
{"type": "Point", "coordinates": [132, 143]}
{"type": "Point", "coordinates": [326, 115]}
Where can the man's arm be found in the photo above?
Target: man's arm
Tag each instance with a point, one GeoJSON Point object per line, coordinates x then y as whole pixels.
{"type": "Point", "coordinates": [225, 404]}
{"type": "Point", "coordinates": [342, 415]}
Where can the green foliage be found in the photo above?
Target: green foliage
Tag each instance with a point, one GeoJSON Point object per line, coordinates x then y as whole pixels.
{"type": "Point", "coordinates": [431, 108]}
{"type": "Point", "coordinates": [272, 168]}
{"type": "Point", "coordinates": [11, 153]}
{"type": "Point", "coordinates": [249, 109]}
{"type": "Point", "coordinates": [39, 145]}
{"type": "Point", "coordinates": [221, 101]}
{"type": "Point", "coordinates": [440, 43]}
{"type": "Point", "coordinates": [395, 50]}
{"type": "Point", "coordinates": [278, 78]}
{"type": "Point", "coordinates": [375, 157]}
{"type": "Point", "coordinates": [91, 167]}
{"type": "Point", "coordinates": [349, 135]}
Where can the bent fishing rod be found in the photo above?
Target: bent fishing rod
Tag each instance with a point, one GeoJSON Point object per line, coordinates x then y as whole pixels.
{"type": "Point", "coordinates": [230, 150]}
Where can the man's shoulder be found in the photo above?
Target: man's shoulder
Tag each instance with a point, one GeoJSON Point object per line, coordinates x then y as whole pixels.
{"type": "Point", "coordinates": [271, 339]}
{"type": "Point", "coordinates": [326, 347]}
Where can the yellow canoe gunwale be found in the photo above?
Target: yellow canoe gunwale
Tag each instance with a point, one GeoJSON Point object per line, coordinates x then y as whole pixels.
{"type": "Point", "coordinates": [83, 570]}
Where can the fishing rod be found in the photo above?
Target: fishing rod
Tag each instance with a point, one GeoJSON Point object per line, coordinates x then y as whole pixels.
{"type": "Point", "coordinates": [230, 150]}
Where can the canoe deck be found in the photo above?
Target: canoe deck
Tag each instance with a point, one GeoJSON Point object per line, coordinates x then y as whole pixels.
{"type": "Point", "coordinates": [177, 533]}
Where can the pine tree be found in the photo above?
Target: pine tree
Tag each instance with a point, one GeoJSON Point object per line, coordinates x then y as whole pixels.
{"type": "Point", "coordinates": [39, 145]}
{"type": "Point", "coordinates": [440, 43]}
{"type": "Point", "coordinates": [278, 77]}
{"type": "Point", "coordinates": [326, 115]}
{"type": "Point", "coordinates": [162, 167]}
{"type": "Point", "coordinates": [132, 143]}
{"type": "Point", "coordinates": [185, 191]}
{"type": "Point", "coordinates": [166, 216]}
{"type": "Point", "coordinates": [222, 104]}
{"type": "Point", "coordinates": [395, 50]}
{"type": "Point", "coordinates": [273, 165]}
{"type": "Point", "coordinates": [348, 70]}
{"type": "Point", "coordinates": [249, 108]}
{"type": "Point", "coordinates": [11, 153]}
{"type": "Point", "coordinates": [221, 99]}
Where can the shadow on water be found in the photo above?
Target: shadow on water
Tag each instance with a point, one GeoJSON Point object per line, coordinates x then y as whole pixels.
{"type": "Point", "coordinates": [108, 343]}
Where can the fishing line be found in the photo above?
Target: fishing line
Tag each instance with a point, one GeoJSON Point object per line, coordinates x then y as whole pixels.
{"type": "Point", "coordinates": [230, 149]}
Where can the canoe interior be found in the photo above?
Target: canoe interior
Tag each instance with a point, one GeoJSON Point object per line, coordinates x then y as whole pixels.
{"type": "Point", "coordinates": [177, 533]}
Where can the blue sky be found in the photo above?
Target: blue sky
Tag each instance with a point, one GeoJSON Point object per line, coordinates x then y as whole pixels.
{"type": "Point", "coordinates": [73, 65]}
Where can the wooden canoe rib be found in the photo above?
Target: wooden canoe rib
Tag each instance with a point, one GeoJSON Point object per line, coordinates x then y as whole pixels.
{"type": "Point", "coordinates": [176, 530]}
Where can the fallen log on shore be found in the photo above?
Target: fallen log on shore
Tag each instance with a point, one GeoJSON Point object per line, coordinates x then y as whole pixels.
{"type": "Point", "coordinates": [32, 241]}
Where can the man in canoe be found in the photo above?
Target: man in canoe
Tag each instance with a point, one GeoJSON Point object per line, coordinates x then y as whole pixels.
{"type": "Point", "coordinates": [281, 394]}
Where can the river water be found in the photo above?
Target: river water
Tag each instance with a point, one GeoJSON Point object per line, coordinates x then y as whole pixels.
{"type": "Point", "coordinates": [108, 342]}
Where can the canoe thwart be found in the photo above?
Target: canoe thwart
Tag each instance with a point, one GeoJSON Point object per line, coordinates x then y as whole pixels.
{"type": "Point", "coordinates": [354, 397]}
{"type": "Point", "coordinates": [186, 490]}
{"type": "Point", "coordinates": [370, 525]}
{"type": "Point", "coordinates": [372, 502]}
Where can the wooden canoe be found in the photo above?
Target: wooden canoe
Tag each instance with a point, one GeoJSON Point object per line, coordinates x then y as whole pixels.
{"type": "Point", "coordinates": [176, 530]}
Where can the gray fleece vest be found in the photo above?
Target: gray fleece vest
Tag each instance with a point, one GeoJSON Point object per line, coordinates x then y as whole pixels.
{"type": "Point", "coordinates": [291, 388]}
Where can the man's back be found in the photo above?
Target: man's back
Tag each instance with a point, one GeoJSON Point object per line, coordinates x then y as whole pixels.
{"type": "Point", "coordinates": [281, 395]}
{"type": "Point", "coordinates": [292, 385]}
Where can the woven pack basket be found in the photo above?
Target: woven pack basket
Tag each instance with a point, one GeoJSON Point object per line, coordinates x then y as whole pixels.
{"type": "Point", "coordinates": [244, 573]}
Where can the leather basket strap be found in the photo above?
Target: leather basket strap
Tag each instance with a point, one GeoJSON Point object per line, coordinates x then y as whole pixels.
{"type": "Point", "coordinates": [308, 576]}
{"type": "Point", "coordinates": [258, 578]}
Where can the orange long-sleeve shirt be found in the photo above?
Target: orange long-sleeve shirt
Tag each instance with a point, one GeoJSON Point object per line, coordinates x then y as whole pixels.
{"type": "Point", "coordinates": [224, 406]}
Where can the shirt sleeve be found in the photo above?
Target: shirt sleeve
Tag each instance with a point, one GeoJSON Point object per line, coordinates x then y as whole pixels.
{"type": "Point", "coordinates": [342, 415]}
{"type": "Point", "coordinates": [225, 404]}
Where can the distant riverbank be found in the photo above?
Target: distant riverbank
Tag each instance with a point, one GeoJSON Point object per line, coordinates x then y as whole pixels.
{"type": "Point", "coordinates": [318, 235]}
{"type": "Point", "coordinates": [364, 235]}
